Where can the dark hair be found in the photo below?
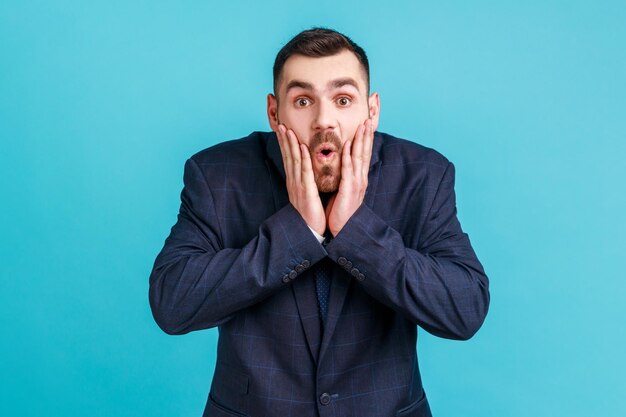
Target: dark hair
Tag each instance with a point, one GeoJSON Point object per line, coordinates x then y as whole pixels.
{"type": "Point", "coordinates": [317, 43]}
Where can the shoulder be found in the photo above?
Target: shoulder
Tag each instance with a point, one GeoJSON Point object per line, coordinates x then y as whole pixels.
{"type": "Point", "coordinates": [249, 150]}
{"type": "Point", "coordinates": [398, 152]}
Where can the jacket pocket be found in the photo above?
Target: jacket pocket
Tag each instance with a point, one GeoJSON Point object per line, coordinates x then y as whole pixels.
{"type": "Point", "coordinates": [419, 408]}
{"type": "Point", "coordinates": [214, 409]}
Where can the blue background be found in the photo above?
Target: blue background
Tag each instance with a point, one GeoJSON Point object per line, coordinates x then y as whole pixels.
{"type": "Point", "coordinates": [102, 102]}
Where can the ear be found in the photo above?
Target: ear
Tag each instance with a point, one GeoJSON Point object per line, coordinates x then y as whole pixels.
{"type": "Point", "coordinates": [374, 109]}
{"type": "Point", "coordinates": [272, 111]}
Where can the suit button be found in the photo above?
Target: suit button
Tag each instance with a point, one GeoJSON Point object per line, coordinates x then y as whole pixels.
{"type": "Point", "coordinates": [348, 265]}
{"type": "Point", "coordinates": [285, 279]}
{"type": "Point", "coordinates": [293, 275]}
{"type": "Point", "coordinates": [300, 268]}
{"type": "Point", "coordinates": [342, 261]}
{"type": "Point", "coordinates": [325, 398]}
{"type": "Point", "coordinates": [360, 277]}
{"type": "Point", "coordinates": [355, 272]}
{"type": "Point", "coordinates": [306, 263]}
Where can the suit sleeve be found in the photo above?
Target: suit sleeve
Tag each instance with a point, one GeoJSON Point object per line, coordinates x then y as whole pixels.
{"type": "Point", "coordinates": [196, 283]}
{"type": "Point", "coordinates": [440, 286]}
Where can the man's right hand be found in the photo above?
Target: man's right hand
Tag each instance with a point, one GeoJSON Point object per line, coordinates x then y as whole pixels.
{"type": "Point", "coordinates": [303, 193]}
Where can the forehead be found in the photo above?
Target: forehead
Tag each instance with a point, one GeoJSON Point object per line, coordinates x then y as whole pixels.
{"type": "Point", "coordinates": [320, 71]}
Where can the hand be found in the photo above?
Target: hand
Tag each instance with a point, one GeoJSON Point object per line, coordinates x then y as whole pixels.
{"type": "Point", "coordinates": [301, 187]}
{"type": "Point", "coordinates": [355, 166]}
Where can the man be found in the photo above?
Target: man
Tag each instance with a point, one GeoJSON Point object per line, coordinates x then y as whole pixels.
{"type": "Point", "coordinates": [317, 250]}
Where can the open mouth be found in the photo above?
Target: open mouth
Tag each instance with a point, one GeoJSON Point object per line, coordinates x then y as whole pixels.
{"type": "Point", "coordinates": [326, 152]}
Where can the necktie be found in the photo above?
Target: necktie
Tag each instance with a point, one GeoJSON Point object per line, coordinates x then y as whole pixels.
{"type": "Point", "coordinates": [322, 288]}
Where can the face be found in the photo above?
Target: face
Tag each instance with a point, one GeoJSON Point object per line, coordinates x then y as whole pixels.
{"type": "Point", "coordinates": [323, 100]}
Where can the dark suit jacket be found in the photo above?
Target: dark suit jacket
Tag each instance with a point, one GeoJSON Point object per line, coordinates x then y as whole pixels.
{"type": "Point", "coordinates": [240, 257]}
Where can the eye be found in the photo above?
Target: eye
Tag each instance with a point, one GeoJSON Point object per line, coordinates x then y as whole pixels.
{"type": "Point", "coordinates": [344, 101]}
{"type": "Point", "coordinates": [302, 102]}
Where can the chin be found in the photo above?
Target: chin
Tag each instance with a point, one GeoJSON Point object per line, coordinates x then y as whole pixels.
{"type": "Point", "coordinates": [327, 184]}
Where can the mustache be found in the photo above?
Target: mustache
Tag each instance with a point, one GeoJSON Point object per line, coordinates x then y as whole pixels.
{"type": "Point", "coordinates": [325, 137]}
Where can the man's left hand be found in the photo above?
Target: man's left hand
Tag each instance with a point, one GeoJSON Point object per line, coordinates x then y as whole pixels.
{"type": "Point", "coordinates": [355, 165]}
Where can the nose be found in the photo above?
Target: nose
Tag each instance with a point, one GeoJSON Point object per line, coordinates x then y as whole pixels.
{"type": "Point", "coordinates": [324, 117]}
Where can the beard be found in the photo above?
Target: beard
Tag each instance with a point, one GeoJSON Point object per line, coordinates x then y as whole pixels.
{"type": "Point", "coordinates": [327, 176]}
{"type": "Point", "coordinates": [327, 180]}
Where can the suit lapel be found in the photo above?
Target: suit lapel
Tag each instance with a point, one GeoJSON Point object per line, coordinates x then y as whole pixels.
{"type": "Point", "coordinates": [306, 300]}
{"type": "Point", "coordinates": [338, 291]}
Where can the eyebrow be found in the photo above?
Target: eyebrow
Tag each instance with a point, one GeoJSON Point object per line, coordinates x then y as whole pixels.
{"type": "Point", "coordinates": [342, 82]}
{"type": "Point", "coordinates": [299, 84]}
{"type": "Point", "coordinates": [334, 84]}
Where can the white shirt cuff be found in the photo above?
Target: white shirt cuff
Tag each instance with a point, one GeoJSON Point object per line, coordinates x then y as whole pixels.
{"type": "Point", "coordinates": [319, 237]}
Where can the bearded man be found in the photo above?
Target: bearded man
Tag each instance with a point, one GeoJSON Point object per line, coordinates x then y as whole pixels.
{"type": "Point", "coordinates": [318, 249]}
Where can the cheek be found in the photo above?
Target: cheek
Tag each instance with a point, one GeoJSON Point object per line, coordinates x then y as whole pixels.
{"type": "Point", "coordinates": [350, 131]}
{"type": "Point", "coordinates": [296, 121]}
{"type": "Point", "coordinates": [351, 122]}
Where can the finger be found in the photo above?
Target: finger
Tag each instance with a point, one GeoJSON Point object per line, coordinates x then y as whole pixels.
{"type": "Point", "coordinates": [368, 143]}
{"type": "Point", "coordinates": [346, 162]}
{"type": "Point", "coordinates": [285, 151]}
{"type": "Point", "coordinates": [308, 178]}
{"type": "Point", "coordinates": [357, 150]}
{"type": "Point", "coordinates": [281, 135]}
{"type": "Point", "coordinates": [295, 155]}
